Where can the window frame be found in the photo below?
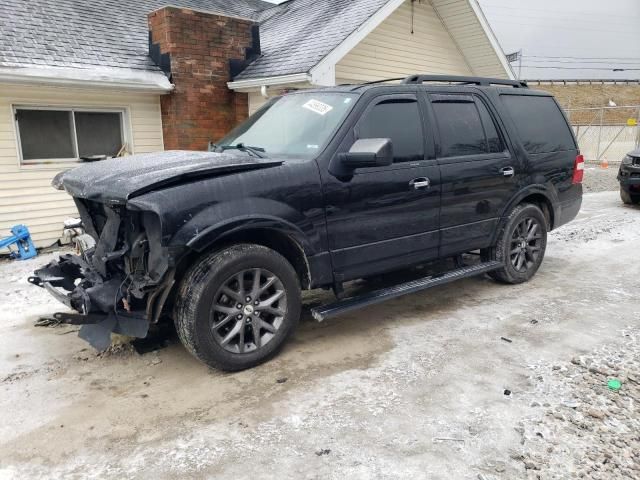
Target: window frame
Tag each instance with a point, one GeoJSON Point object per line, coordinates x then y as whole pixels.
{"type": "Point", "coordinates": [373, 102]}
{"type": "Point", "coordinates": [125, 131]}
{"type": "Point", "coordinates": [475, 98]}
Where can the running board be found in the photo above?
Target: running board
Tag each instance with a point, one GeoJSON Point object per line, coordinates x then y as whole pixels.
{"type": "Point", "coordinates": [378, 296]}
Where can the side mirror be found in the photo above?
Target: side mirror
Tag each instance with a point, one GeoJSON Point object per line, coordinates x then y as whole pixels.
{"type": "Point", "coordinates": [368, 152]}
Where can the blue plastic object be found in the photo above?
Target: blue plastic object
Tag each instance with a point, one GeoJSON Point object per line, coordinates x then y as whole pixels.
{"type": "Point", "coordinates": [21, 239]}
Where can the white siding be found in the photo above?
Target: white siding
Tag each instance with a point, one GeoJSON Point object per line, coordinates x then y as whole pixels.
{"type": "Point", "coordinates": [465, 27]}
{"type": "Point", "coordinates": [26, 195]}
{"type": "Point", "coordinates": [391, 50]}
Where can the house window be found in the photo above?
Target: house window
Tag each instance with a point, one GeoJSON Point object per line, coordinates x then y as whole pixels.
{"type": "Point", "coordinates": [52, 135]}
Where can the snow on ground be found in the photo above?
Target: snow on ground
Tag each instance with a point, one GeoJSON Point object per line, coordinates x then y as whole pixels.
{"type": "Point", "coordinates": [413, 388]}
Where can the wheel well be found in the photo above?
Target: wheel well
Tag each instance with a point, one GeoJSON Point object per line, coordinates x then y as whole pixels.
{"type": "Point", "coordinates": [543, 204]}
{"type": "Point", "coordinates": [273, 239]}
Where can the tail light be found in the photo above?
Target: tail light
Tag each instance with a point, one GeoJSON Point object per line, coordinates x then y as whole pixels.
{"type": "Point", "coordinates": [578, 170]}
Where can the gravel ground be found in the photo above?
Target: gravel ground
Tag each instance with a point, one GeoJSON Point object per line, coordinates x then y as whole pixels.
{"type": "Point", "coordinates": [587, 430]}
{"type": "Point", "coordinates": [471, 380]}
{"type": "Point", "coordinates": [597, 179]}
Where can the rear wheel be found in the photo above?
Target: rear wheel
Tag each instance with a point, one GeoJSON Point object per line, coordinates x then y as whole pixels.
{"type": "Point", "coordinates": [237, 307]}
{"type": "Point", "coordinates": [628, 197]}
{"type": "Point", "coordinates": [521, 245]}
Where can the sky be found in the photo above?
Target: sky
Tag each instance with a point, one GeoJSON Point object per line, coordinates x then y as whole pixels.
{"type": "Point", "coordinates": [568, 39]}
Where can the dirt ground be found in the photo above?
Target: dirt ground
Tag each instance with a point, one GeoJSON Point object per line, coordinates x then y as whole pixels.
{"type": "Point", "coordinates": [472, 380]}
{"type": "Point", "coordinates": [598, 179]}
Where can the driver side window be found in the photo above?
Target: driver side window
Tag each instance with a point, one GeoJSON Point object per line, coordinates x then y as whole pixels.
{"type": "Point", "coordinates": [399, 120]}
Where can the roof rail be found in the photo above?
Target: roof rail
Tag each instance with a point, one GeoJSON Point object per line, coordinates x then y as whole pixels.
{"type": "Point", "coordinates": [374, 82]}
{"type": "Point", "coordinates": [482, 81]}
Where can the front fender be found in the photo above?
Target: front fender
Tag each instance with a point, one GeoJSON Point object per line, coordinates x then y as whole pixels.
{"type": "Point", "coordinates": [220, 220]}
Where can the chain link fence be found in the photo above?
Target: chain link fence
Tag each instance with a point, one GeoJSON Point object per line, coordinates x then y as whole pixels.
{"type": "Point", "coordinates": [606, 133]}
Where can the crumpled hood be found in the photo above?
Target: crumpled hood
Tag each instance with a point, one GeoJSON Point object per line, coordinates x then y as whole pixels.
{"type": "Point", "coordinates": [118, 179]}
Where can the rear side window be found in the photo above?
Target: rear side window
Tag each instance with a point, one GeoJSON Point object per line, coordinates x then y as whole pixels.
{"type": "Point", "coordinates": [540, 123]}
{"type": "Point", "coordinates": [398, 120]}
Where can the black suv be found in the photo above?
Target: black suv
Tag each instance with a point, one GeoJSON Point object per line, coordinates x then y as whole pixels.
{"type": "Point", "coordinates": [629, 177]}
{"type": "Point", "coordinates": [317, 188]}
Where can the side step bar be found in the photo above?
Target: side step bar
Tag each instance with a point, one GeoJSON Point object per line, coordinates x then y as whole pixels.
{"type": "Point", "coordinates": [378, 296]}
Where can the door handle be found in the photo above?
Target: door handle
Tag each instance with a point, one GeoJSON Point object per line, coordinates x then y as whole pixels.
{"type": "Point", "coordinates": [507, 171]}
{"type": "Point", "coordinates": [420, 182]}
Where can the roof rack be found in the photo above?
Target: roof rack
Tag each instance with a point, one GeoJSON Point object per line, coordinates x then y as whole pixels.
{"type": "Point", "coordinates": [481, 81]}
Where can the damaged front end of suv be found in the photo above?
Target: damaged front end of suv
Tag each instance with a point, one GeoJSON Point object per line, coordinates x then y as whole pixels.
{"type": "Point", "coordinates": [120, 278]}
{"type": "Point", "coordinates": [122, 274]}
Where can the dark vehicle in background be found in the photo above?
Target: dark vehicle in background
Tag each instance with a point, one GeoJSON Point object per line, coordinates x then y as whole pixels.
{"type": "Point", "coordinates": [629, 178]}
{"type": "Point", "coordinates": [318, 188]}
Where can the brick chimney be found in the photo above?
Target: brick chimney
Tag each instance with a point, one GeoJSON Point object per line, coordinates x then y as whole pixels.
{"type": "Point", "coordinates": [198, 50]}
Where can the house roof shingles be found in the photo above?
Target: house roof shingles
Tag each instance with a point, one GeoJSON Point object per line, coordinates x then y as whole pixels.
{"type": "Point", "coordinates": [79, 34]}
{"type": "Point", "coordinates": [302, 32]}
{"type": "Point", "coordinates": [294, 36]}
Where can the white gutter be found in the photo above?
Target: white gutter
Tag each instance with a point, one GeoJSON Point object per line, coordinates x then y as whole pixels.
{"type": "Point", "coordinates": [253, 83]}
{"type": "Point", "coordinates": [98, 77]}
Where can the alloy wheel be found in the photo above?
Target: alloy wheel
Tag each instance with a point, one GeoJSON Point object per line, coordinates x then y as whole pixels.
{"type": "Point", "coordinates": [248, 309]}
{"type": "Point", "coordinates": [526, 244]}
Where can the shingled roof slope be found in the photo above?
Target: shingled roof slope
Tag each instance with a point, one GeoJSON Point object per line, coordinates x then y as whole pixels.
{"type": "Point", "coordinates": [105, 33]}
{"type": "Point", "coordinates": [300, 33]}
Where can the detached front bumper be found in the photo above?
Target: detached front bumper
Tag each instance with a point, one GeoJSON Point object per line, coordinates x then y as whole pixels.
{"type": "Point", "coordinates": [75, 283]}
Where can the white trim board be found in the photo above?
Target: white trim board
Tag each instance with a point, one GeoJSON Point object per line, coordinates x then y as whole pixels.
{"type": "Point", "coordinates": [475, 6]}
{"type": "Point", "coordinates": [256, 83]}
{"type": "Point", "coordinates": [324, 71]}
{"type": "Point", "coordinates": [119, 78]}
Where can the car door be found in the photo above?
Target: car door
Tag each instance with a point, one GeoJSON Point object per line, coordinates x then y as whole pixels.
{"type": "Point", "coordinates": [384, 218]}
{"type": "Point", "coordinates": [478, 173]}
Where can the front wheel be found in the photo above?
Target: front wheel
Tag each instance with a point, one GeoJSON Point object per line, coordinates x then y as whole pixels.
{"type": "Point", "coordinates": [236, 307]}
{"type": "Point", "coordinates": [521, 245]}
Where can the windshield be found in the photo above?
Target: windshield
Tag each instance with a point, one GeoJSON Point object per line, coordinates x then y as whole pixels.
{"type": "Point", "coordinates": [297, 125]}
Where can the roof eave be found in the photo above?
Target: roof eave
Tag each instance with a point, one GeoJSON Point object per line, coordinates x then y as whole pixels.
{"type": "Point", "coordinates": [115, 78]}
{"type": "Point", "coordinates": [256, 83]}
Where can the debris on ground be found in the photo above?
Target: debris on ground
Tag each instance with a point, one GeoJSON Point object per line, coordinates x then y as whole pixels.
{"type": "Point", "coordinates": [47, 322]}
{"type": "Point", "coordinates": [596, 435]}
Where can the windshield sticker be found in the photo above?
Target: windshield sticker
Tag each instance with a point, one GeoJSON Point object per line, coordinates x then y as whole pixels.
{"type": "Point", "coordinates": [318, 107]}
{"type": "Point", "coordinates": [313, 147]}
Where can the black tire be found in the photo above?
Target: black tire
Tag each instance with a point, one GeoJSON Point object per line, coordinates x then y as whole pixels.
{"type": "Point", "coordinates": [511, 238]}
{"type": "Point", "coordinates": [208, 287]}
{"type": "Point", "coordinates": [628, 198]}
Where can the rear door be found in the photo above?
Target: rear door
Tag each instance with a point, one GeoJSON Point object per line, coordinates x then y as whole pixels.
{"type": "Point", "coordinates": [385, 218]}
{"type": "Point", "coordinates": [478, 173]}
{"type": "Point", "coordinates": [546, 141]}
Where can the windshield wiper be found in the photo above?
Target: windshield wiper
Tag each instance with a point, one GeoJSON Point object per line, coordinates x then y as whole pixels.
{"type": "Point", "coordinates": [255, 151]}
